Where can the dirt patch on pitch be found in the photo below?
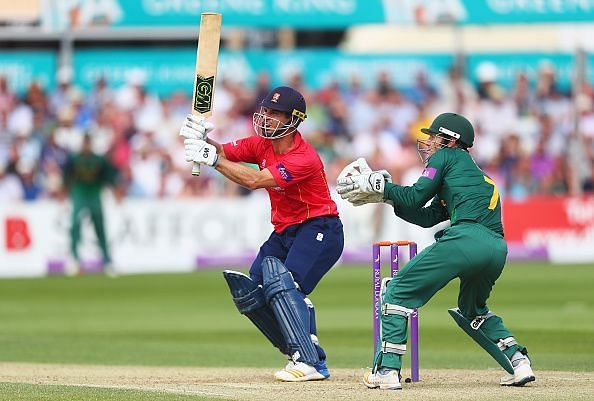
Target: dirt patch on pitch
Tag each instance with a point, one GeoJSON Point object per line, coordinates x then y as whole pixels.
{"type": "Point", "coordinates": [258, 384]}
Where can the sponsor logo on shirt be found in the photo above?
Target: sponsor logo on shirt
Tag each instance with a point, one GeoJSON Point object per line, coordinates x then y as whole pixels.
{"type": "Point", "coordinates": [429, 172]}
{"type": "Point", "coordinates": [263, 163]}
{"type": "Point", "coordinates": [284, 173]}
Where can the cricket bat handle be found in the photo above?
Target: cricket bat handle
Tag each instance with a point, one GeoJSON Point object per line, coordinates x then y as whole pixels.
{"type": "Point", "coordinates": [196, 169]}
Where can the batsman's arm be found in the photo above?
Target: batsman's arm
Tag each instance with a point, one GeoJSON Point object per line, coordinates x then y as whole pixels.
{"type": "Point", "coordinates": [424, 217]}
{"type": "Point", "coordinates": [245, 176]}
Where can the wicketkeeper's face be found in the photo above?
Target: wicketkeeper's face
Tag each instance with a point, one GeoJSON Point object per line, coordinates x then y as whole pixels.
{"type": "Point", "coordinates": [426, 147]}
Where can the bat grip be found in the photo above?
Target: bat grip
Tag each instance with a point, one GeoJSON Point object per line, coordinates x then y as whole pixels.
{"type": "Point", "coordinates": [196, 169]}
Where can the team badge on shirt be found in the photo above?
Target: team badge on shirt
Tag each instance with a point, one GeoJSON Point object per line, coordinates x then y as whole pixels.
{"type": "Point", "coordinates": [284, 173]}
{"type": "Point", "coordinates": [429, 172]}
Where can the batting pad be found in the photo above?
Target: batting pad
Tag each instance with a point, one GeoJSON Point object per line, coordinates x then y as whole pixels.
{"type": "Point", "coordinates": [481, 339]}
{"type": "Point", "coordinates": [250, 301]}
{"type": "Point", "coordinates": [290, 310]}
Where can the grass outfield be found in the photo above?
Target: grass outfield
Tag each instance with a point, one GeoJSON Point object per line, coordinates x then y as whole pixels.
{"type": "Point", "coordinates": [189, 320]}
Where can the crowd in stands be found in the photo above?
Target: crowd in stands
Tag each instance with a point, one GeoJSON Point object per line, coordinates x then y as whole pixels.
{"type": "Point", "coordinates": [531, 139]}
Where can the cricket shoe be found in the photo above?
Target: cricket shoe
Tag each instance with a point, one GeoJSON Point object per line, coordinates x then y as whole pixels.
{"type": "Point", "coordinates": [72, 268]}
{"type": "Point", "coordinates": [522, 374]}
{"type": "Point", "coordinates": [384, 379]}
{"type": "Point", "coordinates": [109, 271]}
{"type": "Point", "coordinates": [301, 372]}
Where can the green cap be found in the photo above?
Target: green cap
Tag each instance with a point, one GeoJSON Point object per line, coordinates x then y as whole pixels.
{"type": "Point", "coordinates": [452, 125]}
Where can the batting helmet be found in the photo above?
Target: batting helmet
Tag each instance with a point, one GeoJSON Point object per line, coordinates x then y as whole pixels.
{"type": "Point", "coordinates": [283, 99]}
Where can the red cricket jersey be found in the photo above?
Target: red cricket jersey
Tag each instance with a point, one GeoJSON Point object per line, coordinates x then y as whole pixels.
{"type": "Point", "coordinates": [302, 192]}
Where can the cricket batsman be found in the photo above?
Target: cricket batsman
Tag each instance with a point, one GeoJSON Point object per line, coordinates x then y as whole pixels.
{"type": "Point", "coordinates": [308, 236]}
{"type": "Point", "coordinates": [471, 249]}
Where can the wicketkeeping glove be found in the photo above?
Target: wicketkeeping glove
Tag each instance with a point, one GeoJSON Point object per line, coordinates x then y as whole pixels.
{"type": "Point", "coordinates": [363, 188]}
{"type": "Point", "coordinates": [200, 151]}
{"type": "Point", "coordinates": [357, 167]}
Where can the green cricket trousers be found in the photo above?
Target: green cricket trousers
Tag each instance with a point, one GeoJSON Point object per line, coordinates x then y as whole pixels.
{"type": "Point", "coordinates": [468, 251]}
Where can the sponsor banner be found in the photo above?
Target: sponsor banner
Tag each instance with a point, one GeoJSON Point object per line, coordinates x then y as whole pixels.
{"type": "Point", "coordinates": [22, 67]}
{"type": "Point", "coordinates": [562, 225]}
{"type": "Point", "coordinates": [148, 236]}
{"type": "Point", "coordinates": [172, 69]}
{"type": "Point", "coordinates": [62, 15]}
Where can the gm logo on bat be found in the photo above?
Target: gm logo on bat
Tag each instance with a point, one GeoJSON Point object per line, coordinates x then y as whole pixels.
{"type": "Point", "coordinates": [203, 94]}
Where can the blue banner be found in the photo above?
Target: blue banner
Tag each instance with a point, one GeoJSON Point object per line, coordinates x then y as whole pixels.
{"type": "Point", "coordinates": [309, 14]}
{"type": "Point", "coordinates": [21, 67]}
{"type": "Point", "coordinates": [167, 70]}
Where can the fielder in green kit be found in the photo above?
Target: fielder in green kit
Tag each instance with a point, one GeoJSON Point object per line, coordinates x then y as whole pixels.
{"type": "Point", "coordinates": [85, 175]}
{"type": "Point", "coordinates": [471, 249]}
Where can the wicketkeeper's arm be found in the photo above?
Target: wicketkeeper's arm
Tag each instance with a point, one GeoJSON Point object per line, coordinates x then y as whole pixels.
{"type": "Point", "coordinates": [426, 187]}
{"type": "Point", "coordinates": [425, 217]}
{"type": "Point", "coordinates": [246, 176]}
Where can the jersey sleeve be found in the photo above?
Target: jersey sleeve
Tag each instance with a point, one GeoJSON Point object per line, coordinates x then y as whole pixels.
{"type": "Point", "coordinates": [294, 168]}
{"type": "Point", "coordinates": [426, 187]}
{"type": "Point", "coordinates": [425, 217]}
{"type": "Point", "coordinates": [242, 150]}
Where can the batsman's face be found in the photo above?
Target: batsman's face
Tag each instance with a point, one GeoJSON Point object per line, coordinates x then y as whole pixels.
{"type": "Point", "coordinates": [270, 123]}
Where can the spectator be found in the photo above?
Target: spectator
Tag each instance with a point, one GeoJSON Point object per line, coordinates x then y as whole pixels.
{"type": "Point", "coordinates": [11, 189]}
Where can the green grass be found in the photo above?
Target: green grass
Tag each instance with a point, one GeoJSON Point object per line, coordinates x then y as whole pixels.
{"type": "Point", "coordinates": [189, 320]}
{"type": "Point", "coordinates": [28, 392]}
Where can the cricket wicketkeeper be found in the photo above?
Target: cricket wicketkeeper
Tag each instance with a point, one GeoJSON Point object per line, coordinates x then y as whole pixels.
{"type": "Point", "coordinates": [308, 236]}
{"type": "Point", "coordinates": [471, 249]}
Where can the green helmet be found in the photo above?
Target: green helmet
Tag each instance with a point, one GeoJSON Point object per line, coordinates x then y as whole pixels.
{"type": "Point", "coordinates": [452, 125]}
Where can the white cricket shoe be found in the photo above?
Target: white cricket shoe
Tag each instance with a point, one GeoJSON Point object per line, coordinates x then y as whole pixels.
{"type": "Point", "coordinates": [522, 374]}
{"type": "Point", "coordinates": [72, 268]}
{"type": "Point", "coordinates": [109, 270]}
{"type": "Point", "coordinates": [384, 378]}
{"type": "Point", "coordinates": [301, 372]}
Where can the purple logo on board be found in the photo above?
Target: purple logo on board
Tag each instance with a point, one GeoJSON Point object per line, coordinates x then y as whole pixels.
{"type": "Point", "coordinates": [284, 173]}
{"type": "Point", "coordinates": [429, 172]}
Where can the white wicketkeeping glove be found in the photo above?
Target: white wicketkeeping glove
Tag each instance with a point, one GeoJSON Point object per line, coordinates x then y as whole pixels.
{"type": "Point", "coordinates": [357, 167]}
{"type": "Point", "coordinates": [363, 188]}
{"type": "Point", "coordinates": [200, 151]}
{"type": "Point", "coordinates": [195, 127]}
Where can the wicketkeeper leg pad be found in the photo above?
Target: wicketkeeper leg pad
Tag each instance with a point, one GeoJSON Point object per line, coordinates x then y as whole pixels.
{"type": "Point", "coordinates": [290, 310]}
{"type": "Point", "coordinates": [473, 329]}
{"type": "Point", "coordinates": [392, 342]}
{"type": "Point", "coordinates": [250, 301]}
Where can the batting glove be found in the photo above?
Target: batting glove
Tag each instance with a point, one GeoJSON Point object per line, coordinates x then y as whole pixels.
{"type": "Point", "coordinates": [195, 127]}
{"type": "Point", "coordinates": [200, 151]}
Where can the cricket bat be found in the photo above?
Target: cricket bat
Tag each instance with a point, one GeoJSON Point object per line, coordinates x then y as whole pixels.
{"type": "Point", "coordinates": [207, 55]}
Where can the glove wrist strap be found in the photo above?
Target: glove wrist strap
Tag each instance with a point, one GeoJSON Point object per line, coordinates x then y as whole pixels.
{"type": "Point", "coordinates": [216, 161]}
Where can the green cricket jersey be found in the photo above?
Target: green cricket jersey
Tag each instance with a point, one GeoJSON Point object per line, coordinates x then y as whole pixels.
{"type": "Point", "coordinates": [87, 174]}
{"type": "Point", "coordinates": [461, 191]}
